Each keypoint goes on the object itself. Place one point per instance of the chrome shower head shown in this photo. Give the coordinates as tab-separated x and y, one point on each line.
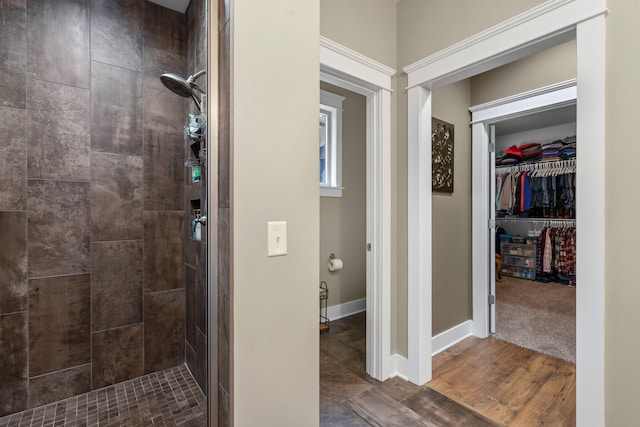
185	88
176	84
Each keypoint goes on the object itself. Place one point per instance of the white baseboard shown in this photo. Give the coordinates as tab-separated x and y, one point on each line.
338	311
452	336
399	366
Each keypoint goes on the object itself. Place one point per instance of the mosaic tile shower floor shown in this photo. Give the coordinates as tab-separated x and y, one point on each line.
166	398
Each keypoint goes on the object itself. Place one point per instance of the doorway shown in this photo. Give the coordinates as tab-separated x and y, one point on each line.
506	42
343	204
530	208
350	70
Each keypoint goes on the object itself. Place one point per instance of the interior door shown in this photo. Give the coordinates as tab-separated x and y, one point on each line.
492	229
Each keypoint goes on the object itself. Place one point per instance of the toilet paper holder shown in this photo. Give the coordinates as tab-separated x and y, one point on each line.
335	264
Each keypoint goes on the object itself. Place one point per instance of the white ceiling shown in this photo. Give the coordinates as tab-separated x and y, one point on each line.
539	120
179	5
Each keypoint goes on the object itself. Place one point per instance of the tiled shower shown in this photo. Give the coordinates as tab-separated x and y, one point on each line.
100	281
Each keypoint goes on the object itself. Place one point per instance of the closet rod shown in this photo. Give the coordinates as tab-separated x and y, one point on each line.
548	222
557	167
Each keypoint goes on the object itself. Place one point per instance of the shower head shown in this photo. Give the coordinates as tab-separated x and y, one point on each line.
176	84
185	88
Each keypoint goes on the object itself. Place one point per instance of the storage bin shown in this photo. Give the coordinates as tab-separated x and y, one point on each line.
519	257
505	238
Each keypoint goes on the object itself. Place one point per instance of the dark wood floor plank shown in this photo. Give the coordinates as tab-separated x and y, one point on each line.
378	409
338	384
335	350
439	410
337	415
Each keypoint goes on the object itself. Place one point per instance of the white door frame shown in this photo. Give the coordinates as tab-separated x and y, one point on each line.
484	115
350	70
546	25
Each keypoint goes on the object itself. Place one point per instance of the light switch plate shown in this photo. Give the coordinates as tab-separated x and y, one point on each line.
277	236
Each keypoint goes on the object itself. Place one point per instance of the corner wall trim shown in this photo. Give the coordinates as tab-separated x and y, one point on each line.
439	343
399	366
450	337
339	311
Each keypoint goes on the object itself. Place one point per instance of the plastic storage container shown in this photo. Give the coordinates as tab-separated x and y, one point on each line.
518	256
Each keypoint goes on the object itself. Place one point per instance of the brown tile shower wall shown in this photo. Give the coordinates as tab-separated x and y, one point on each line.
195	251
92	193
224	214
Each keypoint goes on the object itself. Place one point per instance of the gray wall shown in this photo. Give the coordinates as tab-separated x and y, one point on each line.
88	179
343	219
428	26
622	372
553	65
451	225
275	162
366	26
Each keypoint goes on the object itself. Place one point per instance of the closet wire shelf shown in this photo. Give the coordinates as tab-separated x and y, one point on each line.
557	167
546	222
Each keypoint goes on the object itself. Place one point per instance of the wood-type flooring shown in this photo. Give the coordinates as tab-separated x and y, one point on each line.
350	397
476	383
511	385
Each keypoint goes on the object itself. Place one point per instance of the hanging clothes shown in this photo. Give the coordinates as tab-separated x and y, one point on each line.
556	255
539	181
525	195
506	195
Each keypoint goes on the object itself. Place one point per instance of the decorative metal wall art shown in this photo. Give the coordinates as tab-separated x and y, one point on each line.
441	156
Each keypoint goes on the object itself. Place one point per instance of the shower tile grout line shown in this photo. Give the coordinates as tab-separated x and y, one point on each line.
157	398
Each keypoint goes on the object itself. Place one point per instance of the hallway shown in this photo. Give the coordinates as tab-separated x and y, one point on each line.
494	383
349	397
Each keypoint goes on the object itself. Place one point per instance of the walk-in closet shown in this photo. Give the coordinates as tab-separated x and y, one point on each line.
525	166
535	230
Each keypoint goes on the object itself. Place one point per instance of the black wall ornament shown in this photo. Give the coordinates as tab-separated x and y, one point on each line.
441	156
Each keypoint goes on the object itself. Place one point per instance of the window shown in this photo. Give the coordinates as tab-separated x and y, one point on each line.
330	175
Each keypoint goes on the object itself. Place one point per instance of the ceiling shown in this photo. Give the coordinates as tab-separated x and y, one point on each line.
539	120
179	5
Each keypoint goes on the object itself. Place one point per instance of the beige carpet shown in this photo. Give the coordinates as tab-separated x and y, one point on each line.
538	316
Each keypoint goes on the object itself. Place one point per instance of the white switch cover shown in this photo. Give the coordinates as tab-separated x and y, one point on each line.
277	234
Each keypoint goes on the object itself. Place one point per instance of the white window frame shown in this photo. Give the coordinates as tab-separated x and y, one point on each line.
331	104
